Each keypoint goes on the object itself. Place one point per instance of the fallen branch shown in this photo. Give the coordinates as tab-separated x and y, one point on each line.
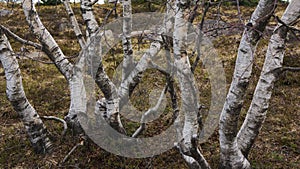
58	119
72	150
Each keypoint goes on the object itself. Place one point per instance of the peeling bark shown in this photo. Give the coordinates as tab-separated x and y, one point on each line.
271	69
34	126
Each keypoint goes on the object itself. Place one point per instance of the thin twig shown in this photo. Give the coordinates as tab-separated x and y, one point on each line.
93	2
292	29
239	12
193	13
72	150
109	13
58	119
290	69
18	38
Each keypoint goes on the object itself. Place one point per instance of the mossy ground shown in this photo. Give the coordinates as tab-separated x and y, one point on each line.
277	146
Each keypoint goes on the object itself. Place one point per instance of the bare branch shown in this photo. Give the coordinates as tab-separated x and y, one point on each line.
109	13
199	37
60	120
193	13
291	69
239	11
87	14
289	26
128	62
18	38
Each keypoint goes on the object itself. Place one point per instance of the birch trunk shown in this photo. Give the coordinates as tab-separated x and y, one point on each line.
54	52
187	146
93	54
128	63
231	156
74	23
271	69
138	69
78	96
88	17
49	44
76	85
34	126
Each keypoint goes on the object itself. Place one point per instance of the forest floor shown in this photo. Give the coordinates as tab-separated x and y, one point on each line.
277	146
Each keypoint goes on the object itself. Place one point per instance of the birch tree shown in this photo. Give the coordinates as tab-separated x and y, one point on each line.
271	70
235	146
230	153
235	143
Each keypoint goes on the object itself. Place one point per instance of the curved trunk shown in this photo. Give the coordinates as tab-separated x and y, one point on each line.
49	44
78	96
34	126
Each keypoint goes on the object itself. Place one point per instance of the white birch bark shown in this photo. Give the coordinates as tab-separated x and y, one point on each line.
135	74
86	7
92	52
34	126
271	69
187	146
231	157
78	96
102	80
139	68
54	52
128	63
49	44
74	23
